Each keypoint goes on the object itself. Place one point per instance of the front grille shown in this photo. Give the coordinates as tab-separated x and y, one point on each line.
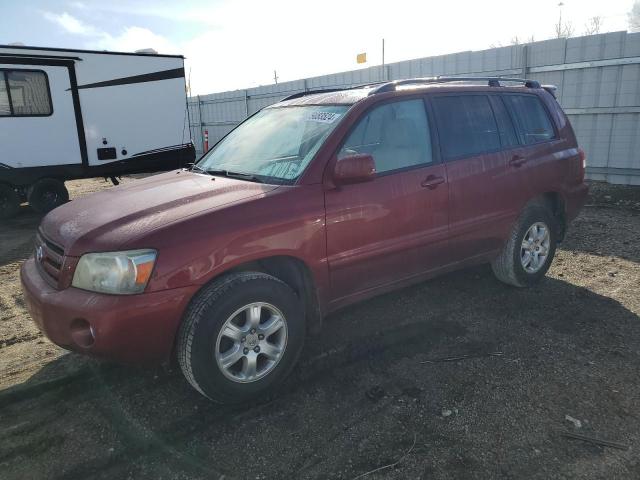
49	258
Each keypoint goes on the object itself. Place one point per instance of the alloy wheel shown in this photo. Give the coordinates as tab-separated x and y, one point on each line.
535	247
251	342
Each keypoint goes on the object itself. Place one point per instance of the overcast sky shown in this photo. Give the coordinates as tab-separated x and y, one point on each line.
237	44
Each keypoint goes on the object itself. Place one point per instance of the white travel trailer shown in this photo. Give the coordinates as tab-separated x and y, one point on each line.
68	114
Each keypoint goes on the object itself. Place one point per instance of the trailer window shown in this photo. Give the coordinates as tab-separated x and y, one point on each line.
28	93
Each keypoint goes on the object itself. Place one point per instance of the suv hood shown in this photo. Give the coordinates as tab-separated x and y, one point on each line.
110	219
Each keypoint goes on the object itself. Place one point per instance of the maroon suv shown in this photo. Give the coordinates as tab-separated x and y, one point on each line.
311	204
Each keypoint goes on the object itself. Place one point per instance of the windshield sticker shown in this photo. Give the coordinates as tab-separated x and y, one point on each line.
323	117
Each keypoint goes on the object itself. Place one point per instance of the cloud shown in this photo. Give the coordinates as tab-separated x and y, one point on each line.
135	38
201	12
129	39
71	24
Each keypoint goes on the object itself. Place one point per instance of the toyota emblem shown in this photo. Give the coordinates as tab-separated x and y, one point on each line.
39	253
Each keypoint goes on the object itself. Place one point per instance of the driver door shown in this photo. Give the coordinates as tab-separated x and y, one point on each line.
394	227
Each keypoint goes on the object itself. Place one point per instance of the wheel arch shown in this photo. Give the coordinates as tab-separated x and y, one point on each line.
291	270
295	273
554	201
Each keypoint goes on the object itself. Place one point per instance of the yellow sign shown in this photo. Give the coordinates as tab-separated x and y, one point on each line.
362	57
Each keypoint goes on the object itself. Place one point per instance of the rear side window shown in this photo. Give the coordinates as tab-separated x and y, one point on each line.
24	93
396	135
466	125
508	135
531	117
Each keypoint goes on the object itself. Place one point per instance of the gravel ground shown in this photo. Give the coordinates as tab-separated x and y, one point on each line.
380	388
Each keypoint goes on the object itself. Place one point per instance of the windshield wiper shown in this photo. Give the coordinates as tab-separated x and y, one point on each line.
242	176
200	169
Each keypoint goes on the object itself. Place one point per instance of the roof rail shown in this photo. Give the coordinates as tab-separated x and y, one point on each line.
491	81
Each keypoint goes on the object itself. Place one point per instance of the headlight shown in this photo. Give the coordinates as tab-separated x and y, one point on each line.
123	273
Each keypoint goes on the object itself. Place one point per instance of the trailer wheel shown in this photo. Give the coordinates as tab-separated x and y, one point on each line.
9	201
47	194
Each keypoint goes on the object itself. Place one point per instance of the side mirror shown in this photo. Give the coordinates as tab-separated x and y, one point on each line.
354	169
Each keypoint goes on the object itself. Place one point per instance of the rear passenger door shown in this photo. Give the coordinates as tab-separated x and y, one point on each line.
471	146
530	168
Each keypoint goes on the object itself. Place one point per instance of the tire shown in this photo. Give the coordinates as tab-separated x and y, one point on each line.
47	194
508	267
9	201
203	347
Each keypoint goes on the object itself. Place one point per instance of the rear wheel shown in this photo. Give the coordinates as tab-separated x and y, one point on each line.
530	249
9	201
47	194
241	337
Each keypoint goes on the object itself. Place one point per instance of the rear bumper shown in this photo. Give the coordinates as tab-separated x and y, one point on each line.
575	198
126	328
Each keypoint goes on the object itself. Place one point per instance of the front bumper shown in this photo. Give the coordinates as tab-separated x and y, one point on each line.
126	328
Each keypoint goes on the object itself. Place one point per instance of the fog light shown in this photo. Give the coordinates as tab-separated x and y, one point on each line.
82	333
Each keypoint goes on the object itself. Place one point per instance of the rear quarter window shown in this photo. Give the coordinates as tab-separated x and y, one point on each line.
532	119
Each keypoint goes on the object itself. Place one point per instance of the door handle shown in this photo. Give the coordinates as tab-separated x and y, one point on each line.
432	181
517	161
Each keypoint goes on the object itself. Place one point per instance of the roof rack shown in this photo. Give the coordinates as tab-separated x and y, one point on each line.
491	81
382	87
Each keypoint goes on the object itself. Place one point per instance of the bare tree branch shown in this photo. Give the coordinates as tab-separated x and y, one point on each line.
569	30
593	26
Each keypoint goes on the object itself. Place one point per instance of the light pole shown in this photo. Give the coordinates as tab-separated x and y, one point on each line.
559	31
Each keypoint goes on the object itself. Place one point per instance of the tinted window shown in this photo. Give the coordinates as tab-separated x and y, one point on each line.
508	135
531	117
466	125
29	92
396	135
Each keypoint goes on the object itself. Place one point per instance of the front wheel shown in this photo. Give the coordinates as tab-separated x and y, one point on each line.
529	250
240	337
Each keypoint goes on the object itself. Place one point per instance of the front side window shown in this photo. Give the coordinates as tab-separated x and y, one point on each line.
396	135
532	118
24	93
276	144
466	125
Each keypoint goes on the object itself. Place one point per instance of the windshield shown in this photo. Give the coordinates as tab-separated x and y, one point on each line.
275	145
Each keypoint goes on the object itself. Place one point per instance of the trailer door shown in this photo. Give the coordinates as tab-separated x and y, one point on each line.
37	117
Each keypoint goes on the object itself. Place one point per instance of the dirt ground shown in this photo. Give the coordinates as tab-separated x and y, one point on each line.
377	394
